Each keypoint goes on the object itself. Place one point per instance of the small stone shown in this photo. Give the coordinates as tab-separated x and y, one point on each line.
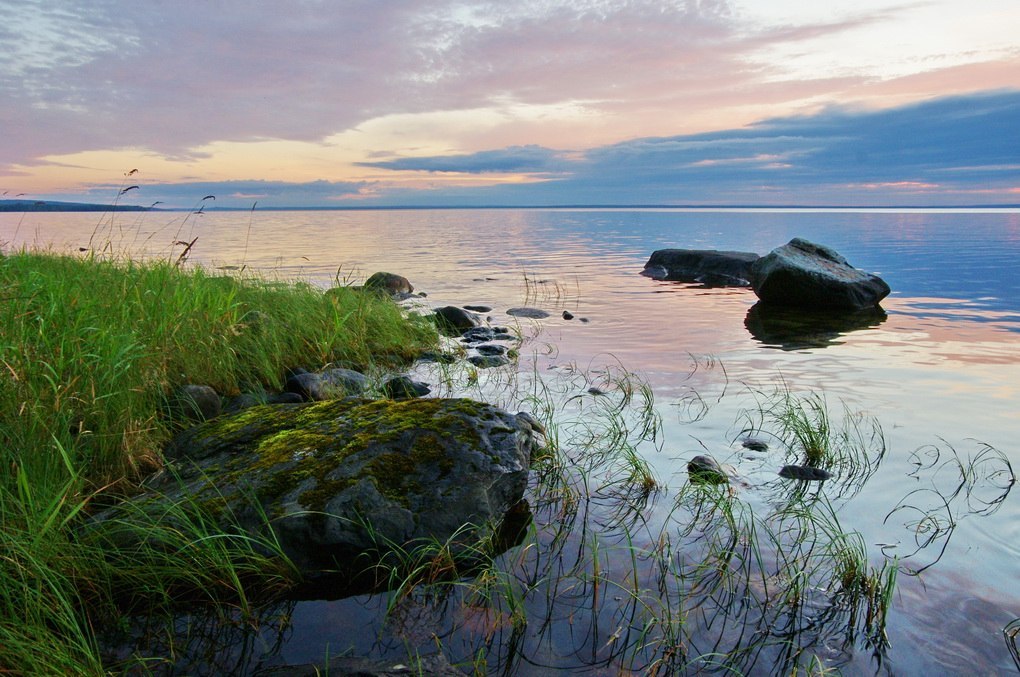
479	309
754	444
488	361
390	283
490	349
530	313
804	472
706	470
403	388
567	315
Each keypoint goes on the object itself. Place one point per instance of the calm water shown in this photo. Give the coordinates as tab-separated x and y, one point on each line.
940	373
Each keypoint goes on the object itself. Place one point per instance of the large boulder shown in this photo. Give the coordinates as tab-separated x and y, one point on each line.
343	482
706	266
808	275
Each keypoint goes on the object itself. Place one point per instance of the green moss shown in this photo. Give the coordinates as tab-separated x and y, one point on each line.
315	448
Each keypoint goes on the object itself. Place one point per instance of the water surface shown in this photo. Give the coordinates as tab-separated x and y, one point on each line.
939	371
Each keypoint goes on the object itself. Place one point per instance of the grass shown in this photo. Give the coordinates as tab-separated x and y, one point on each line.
91	351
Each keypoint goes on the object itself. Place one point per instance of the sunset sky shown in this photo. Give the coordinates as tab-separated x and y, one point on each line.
418	102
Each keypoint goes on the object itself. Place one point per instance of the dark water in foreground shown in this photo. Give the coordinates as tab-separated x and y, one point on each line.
939	373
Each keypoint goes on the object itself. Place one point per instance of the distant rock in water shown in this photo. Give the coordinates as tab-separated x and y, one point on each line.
808	275
390	283
530	313
804	472
706	266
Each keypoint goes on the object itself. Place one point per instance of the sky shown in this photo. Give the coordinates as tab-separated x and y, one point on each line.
358	103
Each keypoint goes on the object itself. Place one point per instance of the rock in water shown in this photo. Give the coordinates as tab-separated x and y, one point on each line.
454	320
345	481
391	283
707	266
804	472
706	470
808	275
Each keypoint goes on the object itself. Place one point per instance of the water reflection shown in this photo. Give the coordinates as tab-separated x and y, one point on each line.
796	329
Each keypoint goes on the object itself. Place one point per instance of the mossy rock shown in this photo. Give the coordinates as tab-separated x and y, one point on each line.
346	479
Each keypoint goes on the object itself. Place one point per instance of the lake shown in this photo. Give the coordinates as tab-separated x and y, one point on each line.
927	393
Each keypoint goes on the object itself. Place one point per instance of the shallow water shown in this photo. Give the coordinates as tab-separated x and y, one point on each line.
939	372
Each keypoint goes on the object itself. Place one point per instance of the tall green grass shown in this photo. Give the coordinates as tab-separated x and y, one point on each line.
91	351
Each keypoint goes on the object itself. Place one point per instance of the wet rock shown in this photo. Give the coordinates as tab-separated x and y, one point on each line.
490	349
390	283
804	472
706	470
478	309
529	313
567	315
454	320
317	474
327	384
808	275
754	444
488	361
706	266
484	334
439	358
403	387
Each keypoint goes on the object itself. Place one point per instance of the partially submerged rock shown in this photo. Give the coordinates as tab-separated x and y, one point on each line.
391	283
454	320
343	482
529	313
706	470
804	472
706	266
809	275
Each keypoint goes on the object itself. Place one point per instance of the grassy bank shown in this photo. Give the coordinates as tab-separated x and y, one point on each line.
90	353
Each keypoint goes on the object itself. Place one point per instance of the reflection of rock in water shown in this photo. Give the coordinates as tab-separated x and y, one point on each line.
796	329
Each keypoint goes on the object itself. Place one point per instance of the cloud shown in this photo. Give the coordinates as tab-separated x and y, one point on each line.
944	149
517	159
170	78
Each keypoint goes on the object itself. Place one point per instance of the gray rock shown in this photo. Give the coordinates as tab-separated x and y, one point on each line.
706	266
804	472
403	387
483	334
319	474
196	403
808	275
754	444
390	283
327	384
455	320
706	470
530	313
479	309
490	349
488	361
567	315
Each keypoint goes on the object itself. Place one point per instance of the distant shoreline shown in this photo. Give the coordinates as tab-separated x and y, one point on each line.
54	206
51	206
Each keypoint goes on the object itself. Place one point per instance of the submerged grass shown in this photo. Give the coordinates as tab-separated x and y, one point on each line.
91	351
